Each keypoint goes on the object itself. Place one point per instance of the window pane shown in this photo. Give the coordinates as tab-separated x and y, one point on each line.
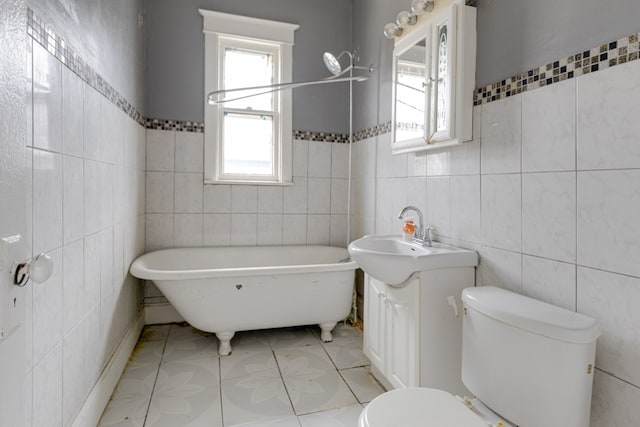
248	144
243	68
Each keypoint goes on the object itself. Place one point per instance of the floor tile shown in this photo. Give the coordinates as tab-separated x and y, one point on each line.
312	381
155	333
126	423
176	378
257	397
186	331
291	421
343	330
145	353
187	393
191	347
346	352
136	384
243	363
342	417
362	384
125	410
291	337
250	341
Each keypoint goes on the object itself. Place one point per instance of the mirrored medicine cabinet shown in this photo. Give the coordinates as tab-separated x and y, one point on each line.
434	79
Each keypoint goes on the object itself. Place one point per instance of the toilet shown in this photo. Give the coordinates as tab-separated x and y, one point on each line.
528	364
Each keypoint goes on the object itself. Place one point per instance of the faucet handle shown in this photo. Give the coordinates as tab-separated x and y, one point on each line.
427	234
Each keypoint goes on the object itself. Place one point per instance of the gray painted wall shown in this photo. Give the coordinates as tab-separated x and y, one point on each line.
373	98
513	36
106	34
518	35
175	65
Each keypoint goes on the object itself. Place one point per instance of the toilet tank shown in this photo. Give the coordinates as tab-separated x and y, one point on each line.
528	361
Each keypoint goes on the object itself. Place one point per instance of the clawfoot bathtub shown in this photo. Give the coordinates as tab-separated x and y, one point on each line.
228	289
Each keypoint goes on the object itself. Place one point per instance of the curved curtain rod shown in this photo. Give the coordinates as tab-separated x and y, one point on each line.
211	97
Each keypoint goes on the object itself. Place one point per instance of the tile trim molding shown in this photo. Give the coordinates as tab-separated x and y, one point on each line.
596	59
621	51
57	46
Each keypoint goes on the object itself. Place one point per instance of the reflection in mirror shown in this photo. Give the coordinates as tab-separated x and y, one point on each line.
442	106
410	114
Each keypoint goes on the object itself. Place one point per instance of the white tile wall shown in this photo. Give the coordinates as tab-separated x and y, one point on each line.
550	281
607	118
438	213
548	192
549	128
613	299
608	226
502	211
182	211
47	100
549	215
47	201
86	200
501	136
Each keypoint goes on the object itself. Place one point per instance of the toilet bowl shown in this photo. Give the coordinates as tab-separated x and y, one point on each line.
528	361
424	407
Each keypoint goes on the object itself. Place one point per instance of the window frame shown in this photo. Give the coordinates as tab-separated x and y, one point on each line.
221	30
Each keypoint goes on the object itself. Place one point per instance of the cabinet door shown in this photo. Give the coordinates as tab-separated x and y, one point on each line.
374	321
403	322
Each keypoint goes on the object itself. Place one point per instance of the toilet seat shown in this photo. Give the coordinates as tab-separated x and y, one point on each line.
419	407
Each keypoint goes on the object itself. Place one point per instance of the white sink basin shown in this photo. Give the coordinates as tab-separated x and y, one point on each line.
392	260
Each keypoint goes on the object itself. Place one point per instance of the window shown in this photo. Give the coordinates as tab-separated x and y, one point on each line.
247	140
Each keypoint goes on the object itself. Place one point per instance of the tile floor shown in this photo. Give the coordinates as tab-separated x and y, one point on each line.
279	377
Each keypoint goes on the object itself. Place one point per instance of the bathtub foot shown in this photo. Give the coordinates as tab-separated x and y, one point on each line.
224	348
326	328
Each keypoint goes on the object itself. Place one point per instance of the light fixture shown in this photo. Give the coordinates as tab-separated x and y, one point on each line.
405	19
38	269
391	31
420	6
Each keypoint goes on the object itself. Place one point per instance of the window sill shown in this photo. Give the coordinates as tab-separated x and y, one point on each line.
227	182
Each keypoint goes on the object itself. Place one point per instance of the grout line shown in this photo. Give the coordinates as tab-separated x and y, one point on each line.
153	389
618	378
286	389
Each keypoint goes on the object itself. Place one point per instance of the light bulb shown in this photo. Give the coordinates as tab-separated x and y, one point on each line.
405	19
420	6
391	31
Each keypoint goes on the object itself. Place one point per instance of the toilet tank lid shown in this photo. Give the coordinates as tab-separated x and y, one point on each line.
532	315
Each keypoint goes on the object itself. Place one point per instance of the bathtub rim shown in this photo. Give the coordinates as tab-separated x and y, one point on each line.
141	271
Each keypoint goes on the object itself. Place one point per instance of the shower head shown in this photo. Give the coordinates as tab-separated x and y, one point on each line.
332	63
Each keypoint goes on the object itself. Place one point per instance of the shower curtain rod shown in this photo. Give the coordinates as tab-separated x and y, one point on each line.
212	96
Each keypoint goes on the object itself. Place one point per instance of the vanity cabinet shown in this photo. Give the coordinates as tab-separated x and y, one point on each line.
411	333
392	316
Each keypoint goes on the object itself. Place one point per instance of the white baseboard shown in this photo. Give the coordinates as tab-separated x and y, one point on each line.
98	399
160	313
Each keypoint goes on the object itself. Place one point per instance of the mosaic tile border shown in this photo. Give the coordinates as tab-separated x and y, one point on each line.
57	46
177	125
623	50
187	126
306	135
599	58
377	130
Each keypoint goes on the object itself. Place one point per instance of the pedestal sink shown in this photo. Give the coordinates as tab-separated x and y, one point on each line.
392	260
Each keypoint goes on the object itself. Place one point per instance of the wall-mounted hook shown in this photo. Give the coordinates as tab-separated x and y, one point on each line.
38	269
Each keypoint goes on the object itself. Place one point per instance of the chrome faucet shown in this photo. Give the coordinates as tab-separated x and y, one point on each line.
422	235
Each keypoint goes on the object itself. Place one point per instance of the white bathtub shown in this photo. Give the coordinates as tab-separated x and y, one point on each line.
228	289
